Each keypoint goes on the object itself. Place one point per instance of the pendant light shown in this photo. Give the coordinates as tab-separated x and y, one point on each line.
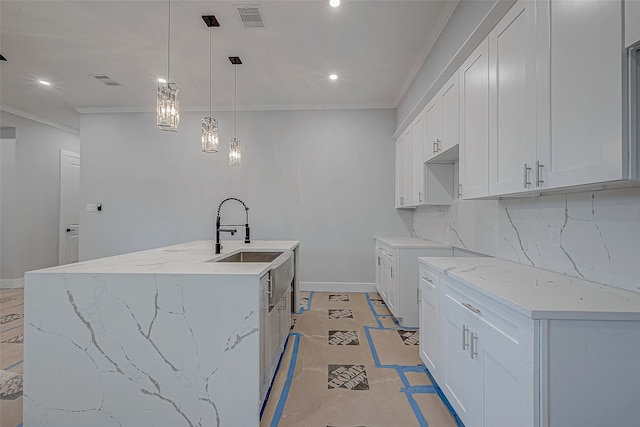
209	124
168	96
234	147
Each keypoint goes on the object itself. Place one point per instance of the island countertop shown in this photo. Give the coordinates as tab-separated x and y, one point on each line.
183	258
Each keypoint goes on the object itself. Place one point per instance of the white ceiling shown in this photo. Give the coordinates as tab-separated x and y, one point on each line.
376	48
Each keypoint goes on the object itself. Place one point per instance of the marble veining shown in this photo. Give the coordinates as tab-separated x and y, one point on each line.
590	235
143	348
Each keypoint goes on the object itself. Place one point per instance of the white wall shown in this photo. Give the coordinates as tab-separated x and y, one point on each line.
7	203
324	177
35	206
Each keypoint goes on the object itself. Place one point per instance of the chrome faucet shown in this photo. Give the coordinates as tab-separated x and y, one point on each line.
231	230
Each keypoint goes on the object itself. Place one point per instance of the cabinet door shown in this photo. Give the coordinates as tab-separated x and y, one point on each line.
419	135
379	274
462	375
400	186
265	364
274	339
285	319
434	128
508	387
407	140
631	22
512	100
450	100
474	123
586	94
429	326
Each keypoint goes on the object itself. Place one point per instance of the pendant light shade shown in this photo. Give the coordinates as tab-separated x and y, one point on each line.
168	97
234	146
209	135
209	124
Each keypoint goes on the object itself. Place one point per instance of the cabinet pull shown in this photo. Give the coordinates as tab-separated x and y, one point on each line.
392	272
470	307
459	190
434	147
426	279
538	173
270	291
418	296
527	169
419	196
474	345
378	259
465	332
438	145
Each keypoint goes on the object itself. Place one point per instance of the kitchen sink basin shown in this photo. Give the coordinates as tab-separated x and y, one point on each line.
245	256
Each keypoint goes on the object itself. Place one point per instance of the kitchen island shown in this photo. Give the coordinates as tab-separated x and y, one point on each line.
163	337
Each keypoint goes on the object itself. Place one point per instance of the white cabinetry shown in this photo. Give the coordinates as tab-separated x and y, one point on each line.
419	127
521	346
442	120
474	123
397	274
404	170
430	320
480	373
512	100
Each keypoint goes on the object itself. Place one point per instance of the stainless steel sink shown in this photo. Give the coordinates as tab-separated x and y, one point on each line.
243	256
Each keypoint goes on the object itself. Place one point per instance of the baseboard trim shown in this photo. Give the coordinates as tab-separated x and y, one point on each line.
12	283
337	287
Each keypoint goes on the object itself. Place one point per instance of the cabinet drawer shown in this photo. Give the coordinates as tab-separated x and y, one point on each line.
429	283
510	330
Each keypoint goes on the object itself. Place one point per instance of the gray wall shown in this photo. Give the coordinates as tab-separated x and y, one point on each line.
324	177
30	220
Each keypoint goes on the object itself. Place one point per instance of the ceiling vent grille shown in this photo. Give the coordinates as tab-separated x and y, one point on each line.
250	15
105	79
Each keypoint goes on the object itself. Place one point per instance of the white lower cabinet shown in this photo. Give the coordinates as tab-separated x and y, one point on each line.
275	324
397	274
539	350
486	385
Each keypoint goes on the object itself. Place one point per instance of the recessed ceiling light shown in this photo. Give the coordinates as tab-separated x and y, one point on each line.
333	77
334	3
44	83
162	81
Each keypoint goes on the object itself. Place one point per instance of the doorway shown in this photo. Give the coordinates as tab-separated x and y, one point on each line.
69	227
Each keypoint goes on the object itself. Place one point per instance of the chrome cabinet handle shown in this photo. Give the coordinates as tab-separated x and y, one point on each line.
419	196
438	145
270	291
378	259
470	307
538	173
459	190
527	169
474	345
434	147
392	272
465	332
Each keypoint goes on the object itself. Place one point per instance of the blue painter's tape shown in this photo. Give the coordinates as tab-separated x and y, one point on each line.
13	366
308	307
287	384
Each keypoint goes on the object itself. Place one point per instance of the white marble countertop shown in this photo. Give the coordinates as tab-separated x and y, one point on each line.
184	258
537	293
410	242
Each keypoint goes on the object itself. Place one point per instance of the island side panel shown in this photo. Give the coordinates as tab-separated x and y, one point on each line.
141	349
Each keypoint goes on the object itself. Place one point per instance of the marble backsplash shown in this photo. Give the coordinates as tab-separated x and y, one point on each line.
591	235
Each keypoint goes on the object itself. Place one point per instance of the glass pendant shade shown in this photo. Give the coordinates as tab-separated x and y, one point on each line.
209	135
234	152
168	106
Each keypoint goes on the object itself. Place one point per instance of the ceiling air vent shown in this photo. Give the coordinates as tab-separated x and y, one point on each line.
105	79
250	15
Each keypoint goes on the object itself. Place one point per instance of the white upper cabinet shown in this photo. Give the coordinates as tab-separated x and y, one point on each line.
419	135
587	143
442	121
474	123
512	100
632	22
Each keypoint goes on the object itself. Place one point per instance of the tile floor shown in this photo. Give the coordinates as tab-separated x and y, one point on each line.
347	363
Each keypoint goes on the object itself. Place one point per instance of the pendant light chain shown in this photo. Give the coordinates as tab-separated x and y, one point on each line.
169	46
